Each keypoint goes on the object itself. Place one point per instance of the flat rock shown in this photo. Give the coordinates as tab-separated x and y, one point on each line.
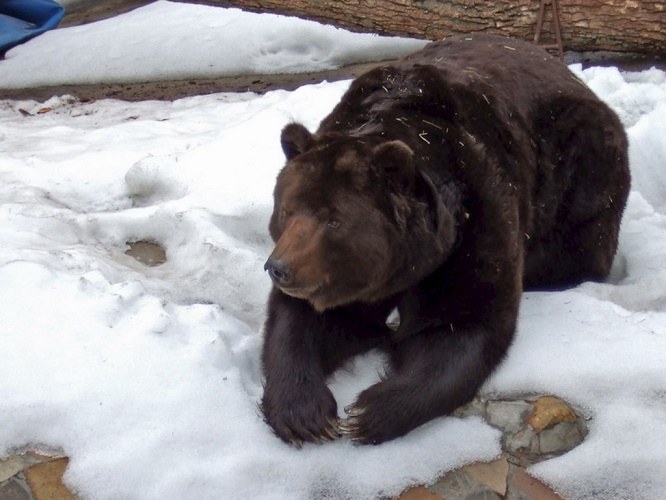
534	428
45	480
522	486
13	490
560	438
479	481
419	493
548	411
491	474
12	466
507	415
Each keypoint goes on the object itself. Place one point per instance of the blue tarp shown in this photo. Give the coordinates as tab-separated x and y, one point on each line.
21	20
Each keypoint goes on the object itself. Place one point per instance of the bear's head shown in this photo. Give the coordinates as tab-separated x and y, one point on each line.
353	219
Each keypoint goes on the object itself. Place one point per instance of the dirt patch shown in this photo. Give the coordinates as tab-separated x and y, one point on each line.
176	89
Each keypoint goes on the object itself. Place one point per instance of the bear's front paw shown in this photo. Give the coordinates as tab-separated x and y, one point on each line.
301	414
381	413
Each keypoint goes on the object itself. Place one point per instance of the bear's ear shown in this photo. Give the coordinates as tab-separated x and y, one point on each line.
295	139
396	160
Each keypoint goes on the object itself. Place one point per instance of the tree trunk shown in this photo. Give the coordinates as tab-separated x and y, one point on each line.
614	25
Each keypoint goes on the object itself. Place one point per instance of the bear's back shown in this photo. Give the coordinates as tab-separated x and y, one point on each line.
504	69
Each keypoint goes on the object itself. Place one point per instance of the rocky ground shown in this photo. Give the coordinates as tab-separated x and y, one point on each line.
533	428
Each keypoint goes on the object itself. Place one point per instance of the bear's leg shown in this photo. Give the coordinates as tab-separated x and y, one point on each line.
588	149
582	252
301	348
432	374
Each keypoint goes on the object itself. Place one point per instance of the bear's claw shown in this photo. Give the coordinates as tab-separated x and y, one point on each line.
351	426
353	411
348	426
329	433
332	431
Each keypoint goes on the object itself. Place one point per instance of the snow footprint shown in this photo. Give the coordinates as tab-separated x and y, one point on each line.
152	180
288	54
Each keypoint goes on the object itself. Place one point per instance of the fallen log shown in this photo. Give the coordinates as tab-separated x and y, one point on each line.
637	26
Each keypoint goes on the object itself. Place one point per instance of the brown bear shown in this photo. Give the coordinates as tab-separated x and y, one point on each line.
440	186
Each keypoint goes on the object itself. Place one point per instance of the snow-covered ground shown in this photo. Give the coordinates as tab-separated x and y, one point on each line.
148	377
167	40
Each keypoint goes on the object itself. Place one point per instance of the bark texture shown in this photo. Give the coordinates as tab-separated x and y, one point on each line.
613	25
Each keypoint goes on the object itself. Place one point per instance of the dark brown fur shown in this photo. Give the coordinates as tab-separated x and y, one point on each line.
441	185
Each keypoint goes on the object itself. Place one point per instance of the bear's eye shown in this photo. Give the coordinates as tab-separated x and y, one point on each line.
333	223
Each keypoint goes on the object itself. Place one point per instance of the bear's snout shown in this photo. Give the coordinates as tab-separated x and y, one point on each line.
279	271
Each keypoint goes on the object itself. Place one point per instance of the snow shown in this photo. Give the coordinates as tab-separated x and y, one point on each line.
148	377
191	40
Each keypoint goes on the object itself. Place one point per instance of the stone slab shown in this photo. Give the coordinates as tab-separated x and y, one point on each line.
13	490
490	474
419	493
45	480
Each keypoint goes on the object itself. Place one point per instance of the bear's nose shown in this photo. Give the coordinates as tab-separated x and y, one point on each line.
279	272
